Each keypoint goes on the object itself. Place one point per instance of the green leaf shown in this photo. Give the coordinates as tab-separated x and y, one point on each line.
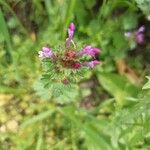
64	93
129	114
44	93
130	20
39	141
96	139
118	86
147	85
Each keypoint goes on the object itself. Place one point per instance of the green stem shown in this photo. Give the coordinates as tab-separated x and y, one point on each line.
69	12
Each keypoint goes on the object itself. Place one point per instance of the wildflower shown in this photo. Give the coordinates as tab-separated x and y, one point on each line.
68	61
137	36
45	53
89	50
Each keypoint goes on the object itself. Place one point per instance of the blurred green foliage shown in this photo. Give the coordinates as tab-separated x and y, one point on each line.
108	109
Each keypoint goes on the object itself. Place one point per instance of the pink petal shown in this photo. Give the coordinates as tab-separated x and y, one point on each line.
92	64
96	50
71	30
72	27
141	29
140	38
89	50
45	49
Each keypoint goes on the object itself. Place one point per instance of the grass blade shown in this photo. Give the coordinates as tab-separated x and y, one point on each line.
37	118
6	35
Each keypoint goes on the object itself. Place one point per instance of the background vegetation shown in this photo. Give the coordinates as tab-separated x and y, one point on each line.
108	109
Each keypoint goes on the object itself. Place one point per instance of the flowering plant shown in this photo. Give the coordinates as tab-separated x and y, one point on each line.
136	37
65	65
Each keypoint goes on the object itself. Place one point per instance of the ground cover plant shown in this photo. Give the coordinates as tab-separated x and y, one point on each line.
74	74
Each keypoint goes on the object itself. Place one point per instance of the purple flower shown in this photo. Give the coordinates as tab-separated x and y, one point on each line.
45	53
89	50
140	38
139	35
71	30
91	64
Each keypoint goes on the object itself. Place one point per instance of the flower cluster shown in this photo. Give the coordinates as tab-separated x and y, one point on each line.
136	36
70	57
